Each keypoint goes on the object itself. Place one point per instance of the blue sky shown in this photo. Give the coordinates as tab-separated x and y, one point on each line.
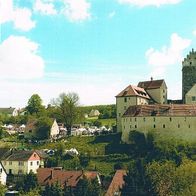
92	47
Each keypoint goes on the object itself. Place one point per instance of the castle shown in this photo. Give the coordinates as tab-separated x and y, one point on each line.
145	107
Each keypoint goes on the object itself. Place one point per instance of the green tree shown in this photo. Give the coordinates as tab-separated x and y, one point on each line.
94	188
28	182
43	127
3	190
169	179
67	105
135	182
84	159
82	187
53	190
35	105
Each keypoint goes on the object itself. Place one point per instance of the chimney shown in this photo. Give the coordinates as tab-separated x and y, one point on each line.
51	174
151	78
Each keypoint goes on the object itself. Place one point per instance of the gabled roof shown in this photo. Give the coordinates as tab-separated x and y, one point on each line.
161	110
20	155
7	110
4	152
69	178
133	91
152	84
117	183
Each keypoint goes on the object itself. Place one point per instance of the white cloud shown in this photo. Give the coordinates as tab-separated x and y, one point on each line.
45	7
111	14
21	17
76	10
19	59
159	60
142	3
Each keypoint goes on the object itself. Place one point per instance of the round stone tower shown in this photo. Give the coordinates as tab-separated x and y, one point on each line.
188	73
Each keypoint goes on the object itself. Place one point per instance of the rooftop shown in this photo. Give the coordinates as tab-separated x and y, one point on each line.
133	91
117	183
19	155
152	84
161	110
68	178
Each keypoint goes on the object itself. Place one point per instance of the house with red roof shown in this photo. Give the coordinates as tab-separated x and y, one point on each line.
64	178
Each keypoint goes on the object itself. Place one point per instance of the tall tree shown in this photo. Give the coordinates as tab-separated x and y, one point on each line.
43	127
35	105
53	190
67	105
136	182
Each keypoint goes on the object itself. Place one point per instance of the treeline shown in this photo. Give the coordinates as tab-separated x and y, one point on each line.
160	167
106	111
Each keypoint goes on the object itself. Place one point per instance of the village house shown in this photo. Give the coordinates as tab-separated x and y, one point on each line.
10	111
94	113
20	162
31	132
3	175
69	178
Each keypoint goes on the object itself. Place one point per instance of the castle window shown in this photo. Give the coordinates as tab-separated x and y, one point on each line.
178	125
125	99
135	119
170	119
163	125
144	119
189	126
154	126
185	119
154	119
190	63
135	126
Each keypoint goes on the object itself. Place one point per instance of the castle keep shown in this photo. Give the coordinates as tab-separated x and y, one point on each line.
145	107
189	78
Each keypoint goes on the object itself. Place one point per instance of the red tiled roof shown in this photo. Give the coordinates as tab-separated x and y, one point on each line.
70	178
117	183
153	84
133	91
161	110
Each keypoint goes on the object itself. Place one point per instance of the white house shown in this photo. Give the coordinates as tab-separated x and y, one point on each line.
21	162
3	175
